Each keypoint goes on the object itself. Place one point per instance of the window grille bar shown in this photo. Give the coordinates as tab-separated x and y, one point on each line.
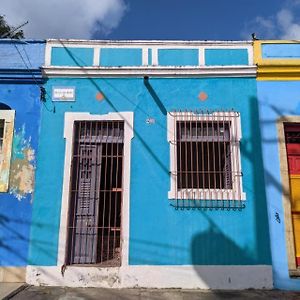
94	226
206	154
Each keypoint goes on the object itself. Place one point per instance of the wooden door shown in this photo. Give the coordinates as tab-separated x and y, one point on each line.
87	208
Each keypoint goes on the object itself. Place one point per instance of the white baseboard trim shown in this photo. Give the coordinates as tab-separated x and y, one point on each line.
188	277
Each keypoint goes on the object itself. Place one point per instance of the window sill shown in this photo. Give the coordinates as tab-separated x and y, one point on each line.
206	194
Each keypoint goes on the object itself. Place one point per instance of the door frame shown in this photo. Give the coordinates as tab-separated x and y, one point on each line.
286	201
69	120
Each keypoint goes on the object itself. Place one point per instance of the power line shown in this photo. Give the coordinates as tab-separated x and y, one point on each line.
42	89
8	34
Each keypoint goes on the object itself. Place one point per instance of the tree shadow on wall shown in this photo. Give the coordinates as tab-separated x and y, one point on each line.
12	240
213	247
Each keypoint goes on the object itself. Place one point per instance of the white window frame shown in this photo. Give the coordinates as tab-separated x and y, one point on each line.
5	155
236	193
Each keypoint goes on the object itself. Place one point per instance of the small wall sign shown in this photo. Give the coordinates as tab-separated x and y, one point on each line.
63	93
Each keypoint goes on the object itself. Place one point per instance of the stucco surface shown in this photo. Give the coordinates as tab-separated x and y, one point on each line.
159	234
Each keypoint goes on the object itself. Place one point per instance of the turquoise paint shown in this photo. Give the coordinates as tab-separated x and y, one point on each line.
221	57
280	51
118	57
178	57
159	234
19	143
276	99
74	57
150	57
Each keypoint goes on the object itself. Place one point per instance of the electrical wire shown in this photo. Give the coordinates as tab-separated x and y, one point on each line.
44	93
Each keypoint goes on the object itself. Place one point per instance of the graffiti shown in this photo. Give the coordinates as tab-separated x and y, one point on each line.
150	121
277	217
21	180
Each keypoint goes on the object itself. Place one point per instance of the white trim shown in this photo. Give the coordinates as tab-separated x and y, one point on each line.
168	43
188	277
154	56
96	59
68	135
8	116
201	56
250	56
201	46
159	71
48	53
144	56
236	193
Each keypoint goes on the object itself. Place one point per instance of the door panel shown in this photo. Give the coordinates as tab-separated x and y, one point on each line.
88	205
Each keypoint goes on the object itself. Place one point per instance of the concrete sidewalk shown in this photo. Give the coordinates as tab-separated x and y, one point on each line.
8	289
56	293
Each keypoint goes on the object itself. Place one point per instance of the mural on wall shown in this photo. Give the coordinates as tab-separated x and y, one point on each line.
22	166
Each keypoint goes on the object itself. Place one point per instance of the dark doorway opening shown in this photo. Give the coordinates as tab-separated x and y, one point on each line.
292	140
94	225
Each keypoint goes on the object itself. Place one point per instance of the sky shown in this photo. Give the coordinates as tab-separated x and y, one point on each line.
155	19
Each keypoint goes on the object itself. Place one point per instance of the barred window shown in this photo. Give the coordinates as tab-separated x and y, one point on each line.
2	121
205	155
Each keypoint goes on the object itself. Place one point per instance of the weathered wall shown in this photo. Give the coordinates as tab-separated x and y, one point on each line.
278	91
276	99
15	206
19	91
159	234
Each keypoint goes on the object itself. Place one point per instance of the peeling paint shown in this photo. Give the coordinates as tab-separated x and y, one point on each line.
6	149
22	166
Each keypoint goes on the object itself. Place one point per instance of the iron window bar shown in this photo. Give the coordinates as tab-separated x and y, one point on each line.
205	160
94	226
2	122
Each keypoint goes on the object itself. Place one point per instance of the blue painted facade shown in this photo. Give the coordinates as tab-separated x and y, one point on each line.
20	77
159	234
271	108
178	57
278	51
75	56
72	56
278	97
114	57
223	57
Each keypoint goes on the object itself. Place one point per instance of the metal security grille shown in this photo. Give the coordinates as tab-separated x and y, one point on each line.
96	192
206	152
292	133
1	133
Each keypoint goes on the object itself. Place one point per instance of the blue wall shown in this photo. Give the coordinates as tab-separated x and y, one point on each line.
120	57
178	57
19	91
159	234
222	57
115	57
281	51
69	56
276	99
